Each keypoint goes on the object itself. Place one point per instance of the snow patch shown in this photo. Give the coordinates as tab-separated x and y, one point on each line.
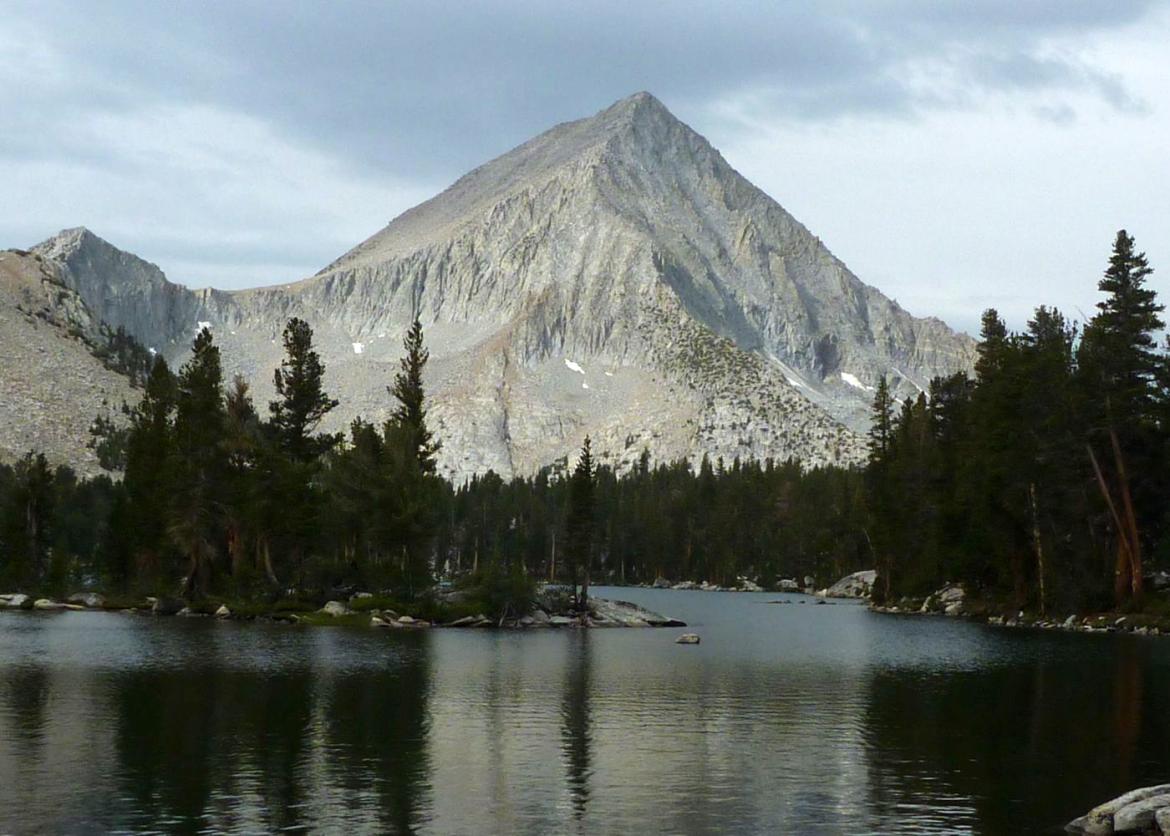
358	348
584	385
855	383
609	374
200	325
574	367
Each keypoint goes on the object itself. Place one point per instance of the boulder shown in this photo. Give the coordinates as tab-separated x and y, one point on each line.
405	619
1162	819
687	638
809	582
375	621
335	608
661	583
466	621
16	601
787	585
857	585
47	604
685	585
223	612
1070	622
561	621
1138	817
748	585
1099	821
167	606
87	599
527	621
540	616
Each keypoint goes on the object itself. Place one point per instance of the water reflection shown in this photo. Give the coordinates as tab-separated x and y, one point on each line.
786	719
575	709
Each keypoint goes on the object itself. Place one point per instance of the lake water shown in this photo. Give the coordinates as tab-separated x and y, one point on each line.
788	718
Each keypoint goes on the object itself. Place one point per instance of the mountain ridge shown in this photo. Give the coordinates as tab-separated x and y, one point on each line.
702	316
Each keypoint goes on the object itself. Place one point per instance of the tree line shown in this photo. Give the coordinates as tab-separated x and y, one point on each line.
1043	480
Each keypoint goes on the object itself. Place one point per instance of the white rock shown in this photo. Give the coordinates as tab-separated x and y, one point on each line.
47	604
857	585
1099	820
223	612
335	608
1139	815
687	638
16	601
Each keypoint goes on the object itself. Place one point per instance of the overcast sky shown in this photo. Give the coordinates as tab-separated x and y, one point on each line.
957	155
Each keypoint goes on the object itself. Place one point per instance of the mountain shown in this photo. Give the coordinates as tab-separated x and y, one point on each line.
54	380
613	276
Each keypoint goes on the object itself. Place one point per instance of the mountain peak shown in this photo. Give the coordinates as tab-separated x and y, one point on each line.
641	104
637	123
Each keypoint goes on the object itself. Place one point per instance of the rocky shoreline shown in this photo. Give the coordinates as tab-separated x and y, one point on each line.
952	601
599	613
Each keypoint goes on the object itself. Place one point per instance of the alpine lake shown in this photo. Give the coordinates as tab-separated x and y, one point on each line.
787	718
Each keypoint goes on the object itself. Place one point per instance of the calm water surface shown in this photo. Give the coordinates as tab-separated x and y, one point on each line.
786	719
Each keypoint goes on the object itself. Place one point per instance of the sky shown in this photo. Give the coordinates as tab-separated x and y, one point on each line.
956	154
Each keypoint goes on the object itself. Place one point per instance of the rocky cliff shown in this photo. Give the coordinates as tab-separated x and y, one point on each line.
613	276
52	383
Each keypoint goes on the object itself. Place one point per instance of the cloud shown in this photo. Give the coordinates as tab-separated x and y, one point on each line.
237	143
428	87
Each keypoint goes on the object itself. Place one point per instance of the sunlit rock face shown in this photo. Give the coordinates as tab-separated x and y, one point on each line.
613	276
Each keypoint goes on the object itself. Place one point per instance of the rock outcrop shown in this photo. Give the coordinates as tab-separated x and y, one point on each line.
52	384
613	276
1145	810
857	585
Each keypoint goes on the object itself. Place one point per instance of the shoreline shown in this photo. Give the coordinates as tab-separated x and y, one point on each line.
602	613
997	614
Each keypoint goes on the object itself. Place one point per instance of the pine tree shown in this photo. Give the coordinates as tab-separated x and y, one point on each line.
881	432
196	519
411	413
993	339
301	403
1119	354
28	521
580	522
1120	368
148	483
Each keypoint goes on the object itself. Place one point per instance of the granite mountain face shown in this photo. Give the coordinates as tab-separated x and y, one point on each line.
613	276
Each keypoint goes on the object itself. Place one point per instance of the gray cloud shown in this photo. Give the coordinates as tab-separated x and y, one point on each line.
433	88
239	143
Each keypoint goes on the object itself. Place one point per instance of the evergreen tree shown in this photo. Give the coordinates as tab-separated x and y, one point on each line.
200	463
301	402
580	523
1119	356
28	521
1120	367
140	544
881	432
411	413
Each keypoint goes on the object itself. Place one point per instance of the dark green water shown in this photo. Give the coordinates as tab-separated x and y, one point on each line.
786	719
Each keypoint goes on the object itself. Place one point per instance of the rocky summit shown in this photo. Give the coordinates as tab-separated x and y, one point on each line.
613	276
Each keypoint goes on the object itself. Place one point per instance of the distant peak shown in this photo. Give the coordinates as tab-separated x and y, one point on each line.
640	105
70	241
